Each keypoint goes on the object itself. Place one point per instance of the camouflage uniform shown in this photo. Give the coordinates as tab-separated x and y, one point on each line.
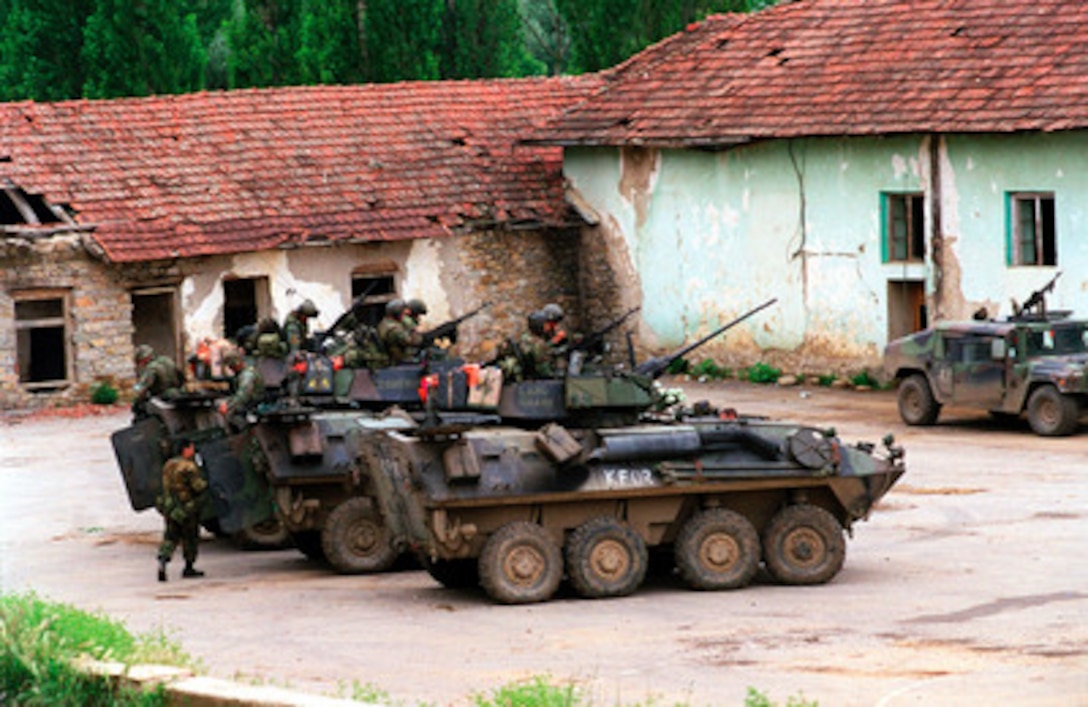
159	377
400	342
180	504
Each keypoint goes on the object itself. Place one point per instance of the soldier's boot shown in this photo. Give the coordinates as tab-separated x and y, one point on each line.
191	571
162	569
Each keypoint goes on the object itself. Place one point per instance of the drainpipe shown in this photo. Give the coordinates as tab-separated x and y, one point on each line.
936	232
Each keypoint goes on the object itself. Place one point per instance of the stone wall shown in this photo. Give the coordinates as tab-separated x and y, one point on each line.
98	326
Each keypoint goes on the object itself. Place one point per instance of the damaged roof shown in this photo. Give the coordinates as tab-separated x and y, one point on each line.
846	67
228	172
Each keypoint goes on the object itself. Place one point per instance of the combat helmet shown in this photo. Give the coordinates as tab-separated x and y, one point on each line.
308	309
552	312
394	308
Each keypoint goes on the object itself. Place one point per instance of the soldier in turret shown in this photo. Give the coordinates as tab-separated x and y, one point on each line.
401	343
296	331
158	377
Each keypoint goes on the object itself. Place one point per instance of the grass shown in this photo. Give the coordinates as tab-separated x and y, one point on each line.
39	640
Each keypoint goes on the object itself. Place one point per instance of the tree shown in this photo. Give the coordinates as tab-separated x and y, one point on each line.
40	49
140	49
402	39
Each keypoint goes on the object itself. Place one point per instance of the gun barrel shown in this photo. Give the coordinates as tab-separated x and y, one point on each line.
656	366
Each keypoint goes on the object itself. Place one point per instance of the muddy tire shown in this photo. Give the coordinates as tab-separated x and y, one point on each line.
356	540
605	558
1052	414
917	406
803	544
308	543
717	549
269	534
520	564
454	574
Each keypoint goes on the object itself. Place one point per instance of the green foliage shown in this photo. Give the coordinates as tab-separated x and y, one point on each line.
755	698
865	379
103	394
679	367
535	692
763	373
40	639
709	369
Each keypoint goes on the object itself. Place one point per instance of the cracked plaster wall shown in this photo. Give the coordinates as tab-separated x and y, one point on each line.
698	237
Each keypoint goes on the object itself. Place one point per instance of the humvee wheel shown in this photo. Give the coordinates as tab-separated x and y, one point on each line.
917	406
269	534
308	543
355	539
454	574
803	544
520	564
605	559
1052	414
717	549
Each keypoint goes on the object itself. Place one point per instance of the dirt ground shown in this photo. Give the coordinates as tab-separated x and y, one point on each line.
968	585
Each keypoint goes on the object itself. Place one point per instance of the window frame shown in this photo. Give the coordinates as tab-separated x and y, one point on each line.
913	217
1045	231
63	321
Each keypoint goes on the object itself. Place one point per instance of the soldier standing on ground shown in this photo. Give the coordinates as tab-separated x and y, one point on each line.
247	387
158	377
181	503
296	326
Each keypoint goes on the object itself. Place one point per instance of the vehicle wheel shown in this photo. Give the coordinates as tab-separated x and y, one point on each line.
605	559
454	574
917	406
717	549
520	564
355	539
803	544
1052	414
308	543
269	534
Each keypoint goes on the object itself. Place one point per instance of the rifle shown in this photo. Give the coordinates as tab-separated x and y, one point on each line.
356	303
658	365
593	343
448	330
1037	299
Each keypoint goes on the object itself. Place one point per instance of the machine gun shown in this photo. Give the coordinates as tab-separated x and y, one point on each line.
448	330
593	343
356	304
1036	301
659	364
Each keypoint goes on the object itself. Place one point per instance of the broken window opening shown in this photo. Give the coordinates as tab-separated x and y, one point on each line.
1034	237
378	289
41	339
17	208
904	228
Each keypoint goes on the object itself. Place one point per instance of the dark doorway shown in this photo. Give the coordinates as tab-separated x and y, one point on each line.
154	321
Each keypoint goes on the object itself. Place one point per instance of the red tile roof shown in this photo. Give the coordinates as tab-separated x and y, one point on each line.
847	67
213	173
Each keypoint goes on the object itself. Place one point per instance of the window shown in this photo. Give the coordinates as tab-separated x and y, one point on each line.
1032	224
376	289
904	228
41	335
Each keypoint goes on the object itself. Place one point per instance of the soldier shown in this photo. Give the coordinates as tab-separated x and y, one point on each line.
296	326
400	342
158	377
181	502
247	387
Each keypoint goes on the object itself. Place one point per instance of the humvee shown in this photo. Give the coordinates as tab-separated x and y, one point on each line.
1029	363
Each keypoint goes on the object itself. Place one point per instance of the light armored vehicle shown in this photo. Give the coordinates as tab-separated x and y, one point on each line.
1035	362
